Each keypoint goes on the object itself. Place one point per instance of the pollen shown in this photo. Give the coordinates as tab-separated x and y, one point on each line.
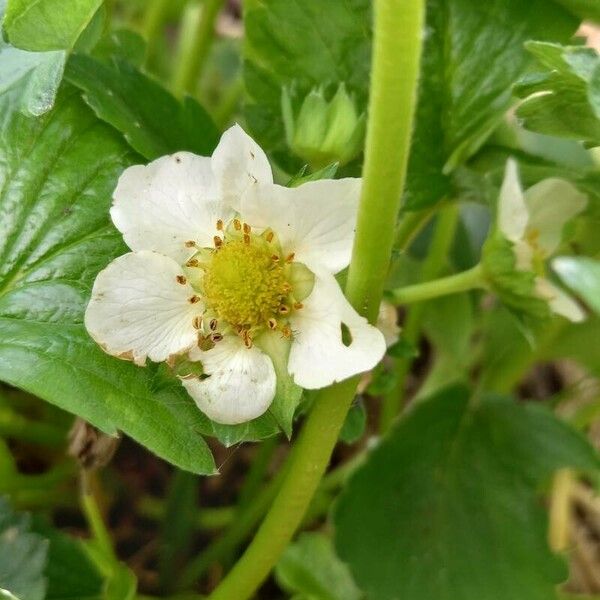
242	284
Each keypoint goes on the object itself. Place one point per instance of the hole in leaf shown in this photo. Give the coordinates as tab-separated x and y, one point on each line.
346	335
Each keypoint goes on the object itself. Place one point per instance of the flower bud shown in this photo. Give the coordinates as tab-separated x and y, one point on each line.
324	132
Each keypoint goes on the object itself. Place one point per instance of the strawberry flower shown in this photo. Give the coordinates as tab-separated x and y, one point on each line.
234	272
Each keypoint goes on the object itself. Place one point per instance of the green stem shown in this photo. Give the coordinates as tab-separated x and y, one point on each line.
153	23
97	527
228	103
453	284
239	530
18	427
195	39
439	247
396	57
257	472
207	518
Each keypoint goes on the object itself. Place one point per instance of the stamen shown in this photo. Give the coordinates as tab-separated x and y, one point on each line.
287	332
275	258
213	324
298	305
216	337
193	262
194	299
197	322
246	228
220	225
283	309
190	244
181	279
269	237
247	339
272	323
237	224
218	241
290	257
246	238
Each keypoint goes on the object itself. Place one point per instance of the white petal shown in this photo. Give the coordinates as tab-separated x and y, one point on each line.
241	385
512	210
318	356
551	203
138	309
387	323
237	163
560	303
315	221
172	200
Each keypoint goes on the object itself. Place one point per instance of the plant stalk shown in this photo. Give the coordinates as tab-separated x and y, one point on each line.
453	284
396	58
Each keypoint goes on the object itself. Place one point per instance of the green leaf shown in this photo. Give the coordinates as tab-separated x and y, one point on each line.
121	44
41	25
447	506
22	556
584	9
57	174
465	92
582	275
471	60
69	571
37	74
355	424
563	99
310	568
152	120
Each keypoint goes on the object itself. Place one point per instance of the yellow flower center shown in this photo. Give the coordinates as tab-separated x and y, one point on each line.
245	284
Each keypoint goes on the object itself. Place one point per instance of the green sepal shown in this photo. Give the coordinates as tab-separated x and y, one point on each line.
515	288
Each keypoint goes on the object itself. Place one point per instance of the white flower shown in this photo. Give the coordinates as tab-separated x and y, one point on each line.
226	266
533	221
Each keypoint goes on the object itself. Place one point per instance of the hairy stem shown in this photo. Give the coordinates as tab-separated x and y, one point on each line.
396	57
453	284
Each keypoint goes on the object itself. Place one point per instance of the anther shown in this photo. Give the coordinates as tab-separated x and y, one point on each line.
181	279
283	309
213	324
190	244
194	299
287	332
247	339
193	262
290	257
272	323
237	224
220	225
218	241
216	337
197	322
246	238
298	305
275	258
269	237
246	228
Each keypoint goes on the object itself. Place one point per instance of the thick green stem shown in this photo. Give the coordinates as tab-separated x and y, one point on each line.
153	23
453	284
195	38
396	56
439	247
